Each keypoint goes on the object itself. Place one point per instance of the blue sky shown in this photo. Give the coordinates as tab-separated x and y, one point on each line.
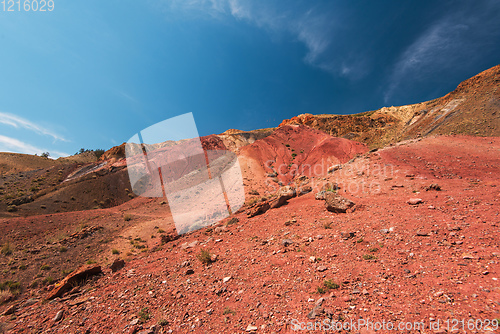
93	73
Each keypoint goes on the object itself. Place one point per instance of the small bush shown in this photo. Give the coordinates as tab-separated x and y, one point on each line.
373	249
63	249
5	295
48	280
227	310
162	322
44	267
329	284
127	217
11	286
90	262
320	290
144	314
6	249
205	256
12	208
369	257
327	225
115	251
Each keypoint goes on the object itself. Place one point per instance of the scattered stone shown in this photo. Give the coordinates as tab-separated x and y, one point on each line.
226	279
317	309
287	242
117	265
220	229
58	316
304	190
438	293
320	195
10	310
189	272
282	196
213	258
187	245
80	274
467	256
334	168
336	203
251	328
321	268
258	209
415	201
433	186
312	259
384	230
422	234
347	235
30	302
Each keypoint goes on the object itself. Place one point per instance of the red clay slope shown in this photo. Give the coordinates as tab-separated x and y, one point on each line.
393	262
294	150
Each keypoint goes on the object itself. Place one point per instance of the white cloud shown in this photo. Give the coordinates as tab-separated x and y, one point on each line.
16	121
313	25
15	145
9	144
449	45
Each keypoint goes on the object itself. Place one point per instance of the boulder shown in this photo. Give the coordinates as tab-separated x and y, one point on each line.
304	190
258	209
282	196
336	203
117	265
415	201
74	278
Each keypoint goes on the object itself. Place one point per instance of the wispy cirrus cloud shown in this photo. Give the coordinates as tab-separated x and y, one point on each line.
19	122
453	41
314	25
9	144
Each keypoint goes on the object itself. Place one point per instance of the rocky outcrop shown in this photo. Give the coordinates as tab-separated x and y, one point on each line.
75	277
336	203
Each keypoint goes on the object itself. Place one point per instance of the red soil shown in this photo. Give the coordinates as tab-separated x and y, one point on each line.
393	261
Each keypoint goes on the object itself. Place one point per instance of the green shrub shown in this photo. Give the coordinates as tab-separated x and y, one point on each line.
205	256
6	249
329	284
227	310
144	314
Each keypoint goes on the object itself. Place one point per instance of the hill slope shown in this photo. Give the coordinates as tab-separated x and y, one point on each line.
472	109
